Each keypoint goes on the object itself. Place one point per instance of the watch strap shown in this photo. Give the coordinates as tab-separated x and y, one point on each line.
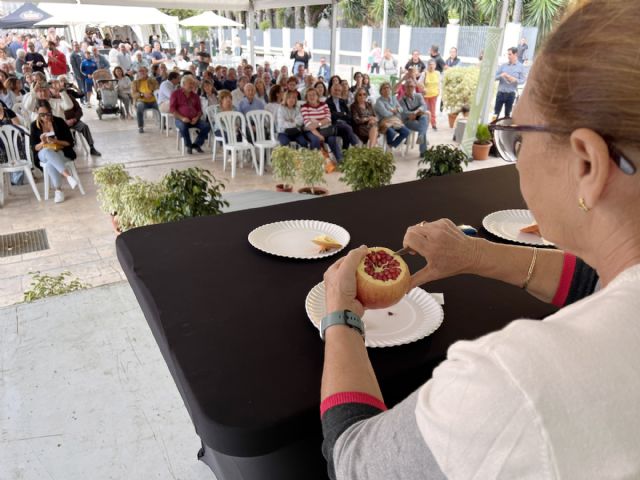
341	317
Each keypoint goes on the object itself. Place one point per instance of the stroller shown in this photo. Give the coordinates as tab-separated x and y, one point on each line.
107	94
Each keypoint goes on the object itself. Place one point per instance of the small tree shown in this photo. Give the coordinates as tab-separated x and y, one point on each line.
311	168
367	168
459	87
284	164
110	179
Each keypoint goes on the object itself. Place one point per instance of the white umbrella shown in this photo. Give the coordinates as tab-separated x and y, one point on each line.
209	19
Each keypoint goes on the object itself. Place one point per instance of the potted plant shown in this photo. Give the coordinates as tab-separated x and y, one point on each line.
482	143
284	165
441	160
311	171
367	168
139	201
458	88
454	16
192	192
110	179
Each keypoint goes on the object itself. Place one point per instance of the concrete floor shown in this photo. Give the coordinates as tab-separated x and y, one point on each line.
84	391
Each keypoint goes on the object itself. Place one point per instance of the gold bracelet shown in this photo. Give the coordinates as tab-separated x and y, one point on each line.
531	267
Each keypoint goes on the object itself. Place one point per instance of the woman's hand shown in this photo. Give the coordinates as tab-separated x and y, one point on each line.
340	283
447	250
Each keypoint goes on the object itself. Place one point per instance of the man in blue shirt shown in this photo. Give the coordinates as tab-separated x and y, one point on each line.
510	75
250	102
323	71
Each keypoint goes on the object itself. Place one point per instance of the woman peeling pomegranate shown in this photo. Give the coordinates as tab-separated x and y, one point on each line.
552	399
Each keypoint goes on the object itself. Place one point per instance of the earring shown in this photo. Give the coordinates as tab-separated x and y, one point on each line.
583	205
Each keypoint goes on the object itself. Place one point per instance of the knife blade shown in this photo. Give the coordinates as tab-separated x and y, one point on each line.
466	229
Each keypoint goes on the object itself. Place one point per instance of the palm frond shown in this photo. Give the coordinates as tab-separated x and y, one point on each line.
425	13
465	8
543	14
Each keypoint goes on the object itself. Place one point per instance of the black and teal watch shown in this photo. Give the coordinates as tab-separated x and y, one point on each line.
342	317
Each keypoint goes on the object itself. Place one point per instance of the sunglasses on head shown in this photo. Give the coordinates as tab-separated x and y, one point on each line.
508	139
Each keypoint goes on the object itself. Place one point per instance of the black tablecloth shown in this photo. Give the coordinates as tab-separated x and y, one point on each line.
230	320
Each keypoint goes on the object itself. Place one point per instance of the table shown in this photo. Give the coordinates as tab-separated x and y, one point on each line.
231	324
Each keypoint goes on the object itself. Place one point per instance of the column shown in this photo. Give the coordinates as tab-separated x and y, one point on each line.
266	41
365	47
404	45
450	39
286	42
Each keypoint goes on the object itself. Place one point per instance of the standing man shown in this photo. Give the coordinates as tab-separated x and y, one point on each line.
415	62
522	50
76	67
453	60
204	59
414	114
323	71
101	60
186	108
435	56
57	61
142	90
157	55
510	75
123	59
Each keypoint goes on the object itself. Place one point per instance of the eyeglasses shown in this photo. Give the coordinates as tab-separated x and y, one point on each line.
508	139
42	115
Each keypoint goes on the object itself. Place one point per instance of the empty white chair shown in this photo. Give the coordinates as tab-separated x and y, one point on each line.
216	131
229	123
17	161
262	131
164	117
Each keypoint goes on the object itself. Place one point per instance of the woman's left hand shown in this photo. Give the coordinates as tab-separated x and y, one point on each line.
340	283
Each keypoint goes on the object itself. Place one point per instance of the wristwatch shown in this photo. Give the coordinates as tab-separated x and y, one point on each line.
342	317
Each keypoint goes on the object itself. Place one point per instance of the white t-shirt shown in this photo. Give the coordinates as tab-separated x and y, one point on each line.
558	398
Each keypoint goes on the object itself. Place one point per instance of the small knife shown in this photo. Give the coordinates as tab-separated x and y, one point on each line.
466	229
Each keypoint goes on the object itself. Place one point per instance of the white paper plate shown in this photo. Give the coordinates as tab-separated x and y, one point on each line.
506	224
416	316
292	238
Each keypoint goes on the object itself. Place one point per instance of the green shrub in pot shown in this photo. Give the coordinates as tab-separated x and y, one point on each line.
459	87
441	160
285	166
109	180
311	169
367	168
139	203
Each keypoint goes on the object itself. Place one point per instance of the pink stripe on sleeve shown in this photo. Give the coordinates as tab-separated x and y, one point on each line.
568	267
350	397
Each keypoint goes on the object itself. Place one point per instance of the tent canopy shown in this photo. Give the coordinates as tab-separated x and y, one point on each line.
209	19
64	14
234	5
24	17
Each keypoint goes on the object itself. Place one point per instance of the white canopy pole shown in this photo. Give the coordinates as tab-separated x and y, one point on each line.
251	20
333	55
385	21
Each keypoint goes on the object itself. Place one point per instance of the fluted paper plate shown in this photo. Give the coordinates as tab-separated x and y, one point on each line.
506	224
416	316
293	238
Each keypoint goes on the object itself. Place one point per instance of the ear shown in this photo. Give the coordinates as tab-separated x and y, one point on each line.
593	164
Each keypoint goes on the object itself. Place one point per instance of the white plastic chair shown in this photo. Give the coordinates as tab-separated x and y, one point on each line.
164	117
229	122
70	166
261	122
211	117
82	143
16	161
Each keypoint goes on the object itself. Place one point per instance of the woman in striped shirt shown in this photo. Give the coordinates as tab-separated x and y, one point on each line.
317	120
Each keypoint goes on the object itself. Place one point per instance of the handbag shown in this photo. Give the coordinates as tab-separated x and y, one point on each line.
390	122
293	132
329	131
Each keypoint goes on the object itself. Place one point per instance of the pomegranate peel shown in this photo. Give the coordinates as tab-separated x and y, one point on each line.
382	278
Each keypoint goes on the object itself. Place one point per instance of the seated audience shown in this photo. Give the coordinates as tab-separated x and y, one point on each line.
414	114
341	117
289	122
209	95
317	121
275	100
238	93
123	87
261	90
186	108
142	90
389	110
321	88
364	118
167	87
250	102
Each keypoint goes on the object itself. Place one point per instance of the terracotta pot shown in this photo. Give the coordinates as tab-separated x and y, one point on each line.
114	223
452	119
316	190
281	188
481	152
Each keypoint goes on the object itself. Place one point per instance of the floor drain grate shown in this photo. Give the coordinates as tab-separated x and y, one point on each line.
23	242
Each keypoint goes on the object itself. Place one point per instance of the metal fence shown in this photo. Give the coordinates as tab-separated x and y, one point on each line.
297	35
471	41
393	38
276	38
349	60
423	38
351	39
322	39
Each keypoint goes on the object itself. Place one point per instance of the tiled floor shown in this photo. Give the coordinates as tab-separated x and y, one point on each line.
80	235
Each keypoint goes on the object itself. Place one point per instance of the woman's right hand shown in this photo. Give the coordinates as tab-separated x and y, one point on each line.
447	250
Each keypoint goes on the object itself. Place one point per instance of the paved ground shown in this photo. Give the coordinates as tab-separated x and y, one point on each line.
80	235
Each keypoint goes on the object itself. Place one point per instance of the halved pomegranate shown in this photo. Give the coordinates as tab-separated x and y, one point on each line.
382	278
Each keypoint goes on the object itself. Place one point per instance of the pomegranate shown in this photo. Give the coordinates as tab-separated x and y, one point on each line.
382	278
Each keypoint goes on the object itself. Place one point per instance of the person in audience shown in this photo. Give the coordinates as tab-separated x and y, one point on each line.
52	145
300	75
532	399
14	91
123	59
308	83
364	119
375	58
321	88
73	115
436	57
20	62
101	60
261	90
88	67
6	96
276	96
453	60
414	114
324	71
186	108
432	90
389	110
37	61
357	82
289	122
7	63
167	87
317	121
250	102
389	64
238	93
230	83
346	94
341	117
123	88
366	84
142	90
139	61
7	117
415	62
334	79
284	72
41	90
204	59
300	57
157	55
76	67
292	86
209	93
268	81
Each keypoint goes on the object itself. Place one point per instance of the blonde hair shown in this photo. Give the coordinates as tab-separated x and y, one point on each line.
575	87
